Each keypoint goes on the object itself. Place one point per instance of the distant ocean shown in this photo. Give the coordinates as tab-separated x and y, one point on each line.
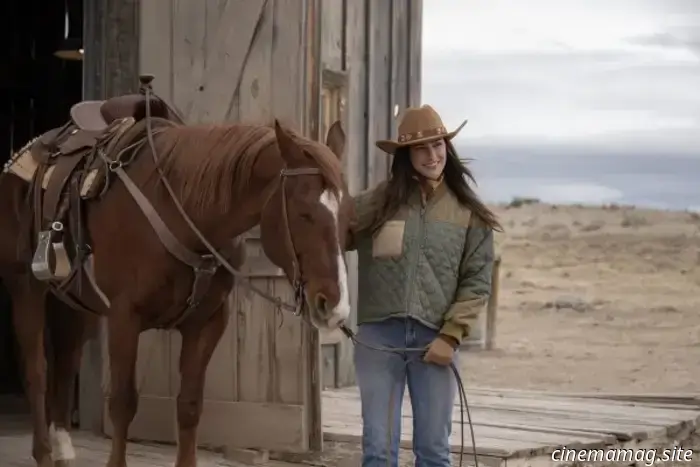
655	181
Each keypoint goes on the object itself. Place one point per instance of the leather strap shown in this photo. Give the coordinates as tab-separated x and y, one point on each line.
64	168
166	237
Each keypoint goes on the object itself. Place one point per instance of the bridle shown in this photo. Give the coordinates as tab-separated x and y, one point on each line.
298	282
218	259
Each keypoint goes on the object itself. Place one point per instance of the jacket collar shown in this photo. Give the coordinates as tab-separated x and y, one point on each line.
429	189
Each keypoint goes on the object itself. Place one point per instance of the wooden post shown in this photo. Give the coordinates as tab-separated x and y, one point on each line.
492	306
110	67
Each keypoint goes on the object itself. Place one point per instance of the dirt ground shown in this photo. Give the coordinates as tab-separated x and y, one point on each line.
595	299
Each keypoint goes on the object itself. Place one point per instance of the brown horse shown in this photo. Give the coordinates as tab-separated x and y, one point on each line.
220	182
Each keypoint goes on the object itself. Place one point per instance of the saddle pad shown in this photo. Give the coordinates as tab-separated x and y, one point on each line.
24	166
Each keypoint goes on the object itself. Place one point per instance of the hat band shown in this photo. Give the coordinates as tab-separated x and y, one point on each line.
422	134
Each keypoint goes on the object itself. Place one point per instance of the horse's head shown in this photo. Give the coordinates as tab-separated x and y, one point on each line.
304	222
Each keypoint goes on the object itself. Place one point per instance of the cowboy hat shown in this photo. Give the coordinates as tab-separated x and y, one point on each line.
418	125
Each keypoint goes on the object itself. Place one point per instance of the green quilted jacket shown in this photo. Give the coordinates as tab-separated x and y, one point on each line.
432	261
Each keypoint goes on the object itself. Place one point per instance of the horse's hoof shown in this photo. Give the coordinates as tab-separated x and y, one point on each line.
63	463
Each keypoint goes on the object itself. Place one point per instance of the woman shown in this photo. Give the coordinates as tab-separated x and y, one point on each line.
425	253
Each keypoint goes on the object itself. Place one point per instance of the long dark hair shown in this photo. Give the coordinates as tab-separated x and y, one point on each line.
456	174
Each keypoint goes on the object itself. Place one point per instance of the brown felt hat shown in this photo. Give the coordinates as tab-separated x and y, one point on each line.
418	125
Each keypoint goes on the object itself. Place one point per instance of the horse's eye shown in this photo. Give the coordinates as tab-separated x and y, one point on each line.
306	216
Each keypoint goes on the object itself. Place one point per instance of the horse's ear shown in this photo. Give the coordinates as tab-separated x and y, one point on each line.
336	139
289	149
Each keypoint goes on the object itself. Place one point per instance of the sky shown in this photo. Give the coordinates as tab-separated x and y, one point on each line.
562	81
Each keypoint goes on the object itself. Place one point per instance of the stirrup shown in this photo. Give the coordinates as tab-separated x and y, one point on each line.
50	261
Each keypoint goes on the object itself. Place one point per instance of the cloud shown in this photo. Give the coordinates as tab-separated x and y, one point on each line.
566	71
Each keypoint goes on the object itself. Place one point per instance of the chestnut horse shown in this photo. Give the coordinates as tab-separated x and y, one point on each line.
208	184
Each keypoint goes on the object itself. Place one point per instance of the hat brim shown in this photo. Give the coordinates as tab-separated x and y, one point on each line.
391	146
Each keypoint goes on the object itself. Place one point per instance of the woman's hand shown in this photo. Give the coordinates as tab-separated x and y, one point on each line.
441	351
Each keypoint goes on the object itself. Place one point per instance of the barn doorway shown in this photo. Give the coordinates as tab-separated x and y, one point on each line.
40	78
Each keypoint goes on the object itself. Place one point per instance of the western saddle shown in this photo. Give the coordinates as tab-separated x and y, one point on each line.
72	166
98	115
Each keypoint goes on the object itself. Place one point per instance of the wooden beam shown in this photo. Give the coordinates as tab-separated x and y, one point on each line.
110	67
492	306
263	425
313	71
335	79
415	34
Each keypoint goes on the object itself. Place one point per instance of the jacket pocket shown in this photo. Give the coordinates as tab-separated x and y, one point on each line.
388	242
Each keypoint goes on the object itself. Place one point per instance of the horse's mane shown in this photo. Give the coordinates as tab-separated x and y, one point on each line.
208	164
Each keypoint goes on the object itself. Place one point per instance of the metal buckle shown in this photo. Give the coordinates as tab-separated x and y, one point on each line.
209	265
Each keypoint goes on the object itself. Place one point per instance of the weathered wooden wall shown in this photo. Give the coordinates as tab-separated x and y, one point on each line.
218	61
376	47
240	60
307	62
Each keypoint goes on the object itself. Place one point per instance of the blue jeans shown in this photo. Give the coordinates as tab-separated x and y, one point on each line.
382	378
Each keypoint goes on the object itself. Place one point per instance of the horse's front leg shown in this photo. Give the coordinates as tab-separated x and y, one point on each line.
124	327
198	344
28	316
68	331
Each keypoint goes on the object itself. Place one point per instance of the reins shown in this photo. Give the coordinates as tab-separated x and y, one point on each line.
463	404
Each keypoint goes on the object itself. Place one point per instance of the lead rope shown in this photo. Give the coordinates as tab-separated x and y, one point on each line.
463	404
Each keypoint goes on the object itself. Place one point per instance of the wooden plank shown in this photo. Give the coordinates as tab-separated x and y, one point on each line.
156	48
379	86
329	365
598	422
542	438
558	406
400	59
485	446
356	114
415	51
492	306
332	34
256	321
155	363
190	23
357	110
255	93
105	53
290	363
312	82
230	43
590	423
121	47
247	425
667	400
287	62
313	71
257	265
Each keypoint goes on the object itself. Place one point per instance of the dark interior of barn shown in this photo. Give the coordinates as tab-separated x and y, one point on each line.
40	78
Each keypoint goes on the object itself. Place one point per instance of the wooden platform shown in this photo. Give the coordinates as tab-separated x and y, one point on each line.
524	428
511	428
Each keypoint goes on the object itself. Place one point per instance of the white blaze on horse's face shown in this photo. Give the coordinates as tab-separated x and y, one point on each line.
341	312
